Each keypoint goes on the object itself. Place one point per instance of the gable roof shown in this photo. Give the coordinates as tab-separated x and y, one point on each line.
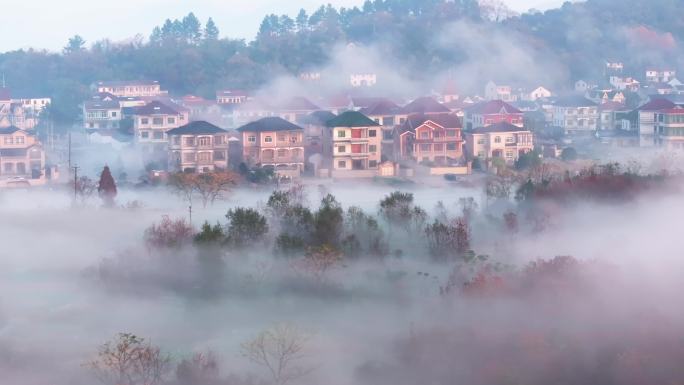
445	120
9	130
155	108
493	107
352	119
424	105
498	127
382	107
269	124
318	118
574	101
101	105
657	105
196	128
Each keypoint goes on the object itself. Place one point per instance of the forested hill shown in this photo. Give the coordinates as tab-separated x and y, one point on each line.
189	56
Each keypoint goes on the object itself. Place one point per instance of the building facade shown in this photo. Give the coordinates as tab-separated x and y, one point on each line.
432	139
130	88
357	145
273	142
22	159
198	147
576	115
501	140
669	129
492	112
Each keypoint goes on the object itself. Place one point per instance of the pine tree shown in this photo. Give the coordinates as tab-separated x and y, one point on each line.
211	31
107	188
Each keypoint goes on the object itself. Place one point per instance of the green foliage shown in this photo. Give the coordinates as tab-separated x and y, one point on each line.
569	154
328	222
528	160
246	227
106	187
209	235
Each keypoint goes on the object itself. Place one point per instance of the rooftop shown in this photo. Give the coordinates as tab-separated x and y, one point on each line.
382	107
196	128
9	130
155	108
657	105
493	107
318	118
425	105
498	127
352	119
446	120
269	124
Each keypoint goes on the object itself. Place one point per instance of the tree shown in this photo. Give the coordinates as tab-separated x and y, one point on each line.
328	222
84	188
398	209
318	261
246	227
75	44
183	184
302	20
106	187
200	369
213	185
528	160
191	28
280	350
209	235
129	360
569	154
211	31
168	234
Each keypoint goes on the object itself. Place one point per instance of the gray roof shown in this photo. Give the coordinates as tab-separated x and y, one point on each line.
269	124
196	128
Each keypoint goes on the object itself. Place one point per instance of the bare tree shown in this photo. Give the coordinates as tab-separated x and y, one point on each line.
280	350
129	360
214	185
84	189
201	369
318	261
183	184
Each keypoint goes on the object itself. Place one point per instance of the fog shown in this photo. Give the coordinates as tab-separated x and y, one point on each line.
72	278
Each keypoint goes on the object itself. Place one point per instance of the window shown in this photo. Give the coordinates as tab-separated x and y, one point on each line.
282	137
509	154
144	134
218	139
171	120
497	139
189	157
424	135
341	149
158	121
424	147
158	135
204	156
9	140
372	163
450	133
190	141
481	154
388	121
144	121
294	139
19	139
282	153
219	155
342	164
372	133
268	139
372	148
439	147
113	114
204	141
176	140
481	141
510	139
341	134
451	146
251	139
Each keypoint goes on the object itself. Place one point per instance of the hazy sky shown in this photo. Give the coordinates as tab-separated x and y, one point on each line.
49	23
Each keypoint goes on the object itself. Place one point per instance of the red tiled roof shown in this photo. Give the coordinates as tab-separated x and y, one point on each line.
677	111
657	105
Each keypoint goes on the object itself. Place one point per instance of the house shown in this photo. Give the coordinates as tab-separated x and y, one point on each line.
203	109
625	83
500	140
102	114
231	96
358	80
604	96
647	119
198	147
655	75
22	159
537	93
317	139
274	142
432	139
613	67
357	150
150	125
130	88
611	116
491	112
575	114
295	108
23	113
388	115
496	92
669	129
425	105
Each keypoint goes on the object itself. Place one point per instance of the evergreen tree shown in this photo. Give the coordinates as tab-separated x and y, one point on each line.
75	44
211	31
107	188
302	20
191	29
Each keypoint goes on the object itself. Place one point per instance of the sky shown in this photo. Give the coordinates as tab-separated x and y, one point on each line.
49	23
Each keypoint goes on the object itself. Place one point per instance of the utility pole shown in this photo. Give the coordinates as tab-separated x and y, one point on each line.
69	149
190	212
75	168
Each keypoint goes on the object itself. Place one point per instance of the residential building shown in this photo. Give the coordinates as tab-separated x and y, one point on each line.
625	83
433	139
231	96
150	125
660	75
669	128
357	150
358	80
491	112
102	114
500	140
495	92
317	139
537	93
274	142
612	116
614	68
130	88
198	147
388	115
22	159
576	115
23	113
295	108
647	119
